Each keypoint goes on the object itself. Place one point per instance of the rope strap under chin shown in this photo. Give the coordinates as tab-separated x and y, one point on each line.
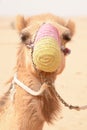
43	87
29	90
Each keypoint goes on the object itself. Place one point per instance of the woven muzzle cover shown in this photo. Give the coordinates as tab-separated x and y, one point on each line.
47	52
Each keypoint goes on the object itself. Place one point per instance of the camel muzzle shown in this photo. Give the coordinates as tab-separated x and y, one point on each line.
47	51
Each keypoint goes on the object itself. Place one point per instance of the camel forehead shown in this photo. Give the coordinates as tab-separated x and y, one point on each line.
34	23
37	20
42	18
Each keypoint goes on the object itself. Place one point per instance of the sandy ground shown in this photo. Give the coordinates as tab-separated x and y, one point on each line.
71	84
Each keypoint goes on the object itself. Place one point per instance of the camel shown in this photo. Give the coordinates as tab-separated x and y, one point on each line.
31	99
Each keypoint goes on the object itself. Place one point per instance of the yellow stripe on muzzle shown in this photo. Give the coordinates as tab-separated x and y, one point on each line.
47	54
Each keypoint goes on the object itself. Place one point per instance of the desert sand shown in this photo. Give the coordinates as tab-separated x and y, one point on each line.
71	84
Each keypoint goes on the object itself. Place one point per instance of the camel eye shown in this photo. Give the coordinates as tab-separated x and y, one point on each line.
66	36
24	37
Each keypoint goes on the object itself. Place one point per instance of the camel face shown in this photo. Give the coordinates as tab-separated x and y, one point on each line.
29	28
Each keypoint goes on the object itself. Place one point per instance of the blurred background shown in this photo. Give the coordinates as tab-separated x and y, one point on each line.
29	7
72	83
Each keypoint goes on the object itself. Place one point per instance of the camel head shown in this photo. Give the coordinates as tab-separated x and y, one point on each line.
43	42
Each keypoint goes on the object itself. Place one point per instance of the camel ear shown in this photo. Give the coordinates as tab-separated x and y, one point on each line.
71	25
20	23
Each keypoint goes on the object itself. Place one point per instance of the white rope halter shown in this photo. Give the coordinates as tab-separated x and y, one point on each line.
29	90
40	91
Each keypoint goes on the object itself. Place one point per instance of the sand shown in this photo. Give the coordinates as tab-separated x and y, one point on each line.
71	84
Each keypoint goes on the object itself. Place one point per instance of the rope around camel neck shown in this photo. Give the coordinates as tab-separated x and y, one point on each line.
78	108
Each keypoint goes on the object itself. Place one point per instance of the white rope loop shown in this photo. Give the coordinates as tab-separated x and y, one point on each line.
43	87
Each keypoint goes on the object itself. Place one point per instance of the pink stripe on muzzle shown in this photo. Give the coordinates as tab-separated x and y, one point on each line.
47	30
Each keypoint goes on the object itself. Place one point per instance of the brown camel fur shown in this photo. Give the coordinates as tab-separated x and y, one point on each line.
19	110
